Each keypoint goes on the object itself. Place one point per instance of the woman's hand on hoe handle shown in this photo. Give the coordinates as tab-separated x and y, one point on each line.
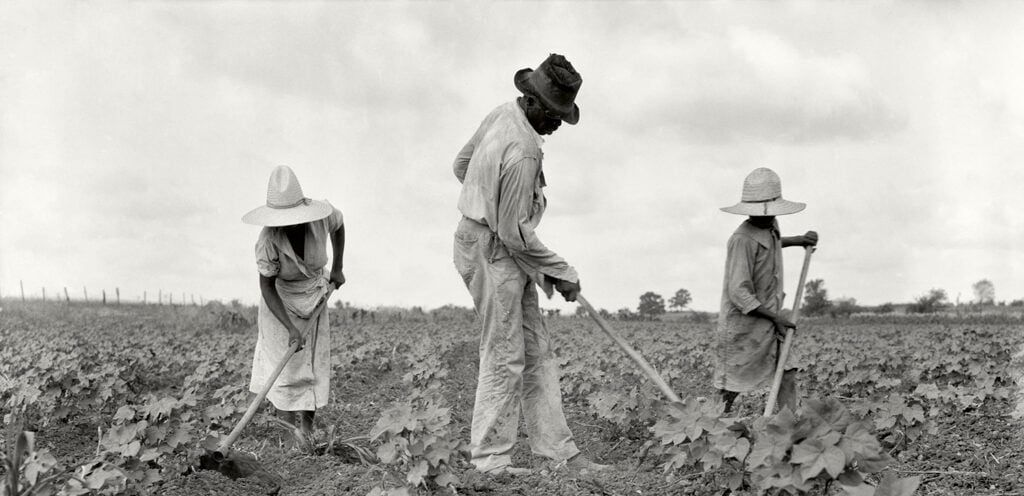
294	334
337	277
295	337
268	289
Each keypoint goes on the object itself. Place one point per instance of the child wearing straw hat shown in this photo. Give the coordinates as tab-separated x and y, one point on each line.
750	322
291	257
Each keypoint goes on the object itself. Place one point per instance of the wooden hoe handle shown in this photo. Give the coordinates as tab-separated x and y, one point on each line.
784	353
644	366
237	431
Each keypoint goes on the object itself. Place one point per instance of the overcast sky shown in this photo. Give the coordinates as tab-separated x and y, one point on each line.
133	136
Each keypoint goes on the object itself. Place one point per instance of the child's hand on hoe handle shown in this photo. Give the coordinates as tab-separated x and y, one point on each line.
806	240
781	323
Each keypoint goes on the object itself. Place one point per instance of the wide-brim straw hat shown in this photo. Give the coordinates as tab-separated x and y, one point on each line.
762	196
556	83
286	205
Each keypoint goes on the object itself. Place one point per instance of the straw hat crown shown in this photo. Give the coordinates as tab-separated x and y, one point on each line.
762	185
286	204
284	190
762	196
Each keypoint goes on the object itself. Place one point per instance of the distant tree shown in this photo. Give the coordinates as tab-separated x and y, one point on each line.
984	292
580	311
1017	303
816	298
844	307
929	303
680	300
884	308
651	305
554	312
604	313
625	314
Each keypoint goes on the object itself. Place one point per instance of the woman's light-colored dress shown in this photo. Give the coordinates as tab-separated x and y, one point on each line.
302	282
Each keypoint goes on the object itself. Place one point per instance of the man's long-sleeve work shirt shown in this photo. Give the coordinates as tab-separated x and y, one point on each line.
502	187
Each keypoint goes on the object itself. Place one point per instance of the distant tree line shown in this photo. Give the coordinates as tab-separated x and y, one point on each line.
651	306
817	302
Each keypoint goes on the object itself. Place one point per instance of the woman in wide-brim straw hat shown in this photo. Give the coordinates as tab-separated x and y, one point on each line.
291	257
750	324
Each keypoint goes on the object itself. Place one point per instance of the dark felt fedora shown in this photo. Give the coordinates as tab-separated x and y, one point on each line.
556	83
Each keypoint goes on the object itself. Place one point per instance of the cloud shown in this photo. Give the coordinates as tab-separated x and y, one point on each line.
744	84
134	137
355	56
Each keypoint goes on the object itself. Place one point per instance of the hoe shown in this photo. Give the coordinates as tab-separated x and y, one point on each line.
652	374
238	465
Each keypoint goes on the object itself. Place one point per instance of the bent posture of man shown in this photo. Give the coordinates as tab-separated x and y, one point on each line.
501	260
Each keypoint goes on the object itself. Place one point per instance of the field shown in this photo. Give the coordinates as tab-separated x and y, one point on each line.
125	399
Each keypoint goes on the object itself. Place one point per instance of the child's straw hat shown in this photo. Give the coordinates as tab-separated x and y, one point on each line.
762	196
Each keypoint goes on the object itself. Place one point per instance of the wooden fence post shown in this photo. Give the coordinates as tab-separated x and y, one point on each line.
66	297
117	291
22	284
104	296
86	293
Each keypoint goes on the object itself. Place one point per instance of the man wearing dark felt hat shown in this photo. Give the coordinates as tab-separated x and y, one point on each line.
502	262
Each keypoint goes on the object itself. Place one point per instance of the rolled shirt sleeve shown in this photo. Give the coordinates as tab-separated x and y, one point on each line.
516	223
268	260
462	160
739	273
